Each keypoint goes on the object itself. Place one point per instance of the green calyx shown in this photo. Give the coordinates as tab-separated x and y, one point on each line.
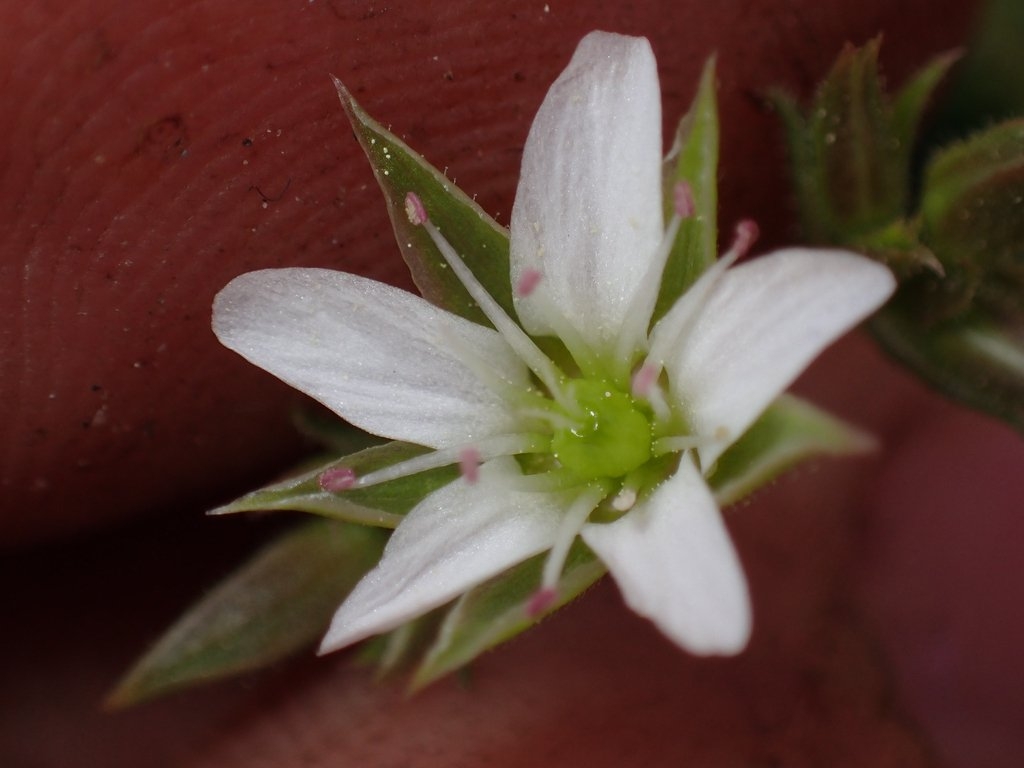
610	434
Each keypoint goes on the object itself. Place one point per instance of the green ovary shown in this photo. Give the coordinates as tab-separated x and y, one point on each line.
611	435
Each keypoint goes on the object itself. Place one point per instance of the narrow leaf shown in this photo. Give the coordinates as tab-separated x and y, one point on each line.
279	602
378	505
694	160
481	242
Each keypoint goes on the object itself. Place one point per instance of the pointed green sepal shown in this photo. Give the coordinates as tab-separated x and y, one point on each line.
693	160
481	242
278	603
499	609
851	151
381	505
788	432
912	101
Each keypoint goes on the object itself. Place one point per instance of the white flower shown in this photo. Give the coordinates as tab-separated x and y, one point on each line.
628	436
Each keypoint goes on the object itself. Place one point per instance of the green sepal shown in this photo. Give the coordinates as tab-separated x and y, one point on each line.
279	602
496	611
788	432
898	245
337	437
851	151
482	242
693	159
401	650
381	505
912	101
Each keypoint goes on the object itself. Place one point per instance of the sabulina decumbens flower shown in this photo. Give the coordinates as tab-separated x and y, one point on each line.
613	442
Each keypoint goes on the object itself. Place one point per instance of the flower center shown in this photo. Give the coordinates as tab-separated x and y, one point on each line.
609	435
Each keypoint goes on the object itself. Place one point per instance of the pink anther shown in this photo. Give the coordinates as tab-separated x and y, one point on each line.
644	379
540	601
469	464
414	209
682	200
747	232
337	479
527	283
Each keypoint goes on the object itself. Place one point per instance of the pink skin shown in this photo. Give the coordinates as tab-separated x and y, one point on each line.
144	169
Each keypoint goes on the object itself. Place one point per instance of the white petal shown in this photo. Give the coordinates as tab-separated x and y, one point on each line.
588	211
377	356
456	538
762	324
674	563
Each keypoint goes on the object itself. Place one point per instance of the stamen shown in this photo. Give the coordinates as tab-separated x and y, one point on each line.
641	308
540	601
645	385
488	448
551	418
528	282
469	464
574	519
669	330
337	479
414	210
682	200
677	443
746	234
521	344
645	378
625	499
578	348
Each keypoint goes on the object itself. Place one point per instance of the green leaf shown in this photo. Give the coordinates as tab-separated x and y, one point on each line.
280	602
481	242
693	159
788	432
496	611
378	505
